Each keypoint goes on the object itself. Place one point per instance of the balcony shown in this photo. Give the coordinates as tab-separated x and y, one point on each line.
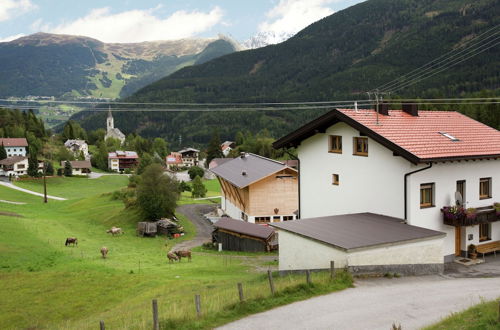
458	216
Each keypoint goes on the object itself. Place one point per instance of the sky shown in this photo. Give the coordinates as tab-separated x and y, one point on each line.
148	20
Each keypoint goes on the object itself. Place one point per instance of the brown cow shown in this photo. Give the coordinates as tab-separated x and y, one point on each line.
172	257
104	252
71	240
115	231
184	254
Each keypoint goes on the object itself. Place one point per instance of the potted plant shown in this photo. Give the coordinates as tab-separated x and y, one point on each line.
471	251
496	206
470	213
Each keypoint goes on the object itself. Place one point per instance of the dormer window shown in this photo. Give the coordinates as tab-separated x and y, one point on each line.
449	136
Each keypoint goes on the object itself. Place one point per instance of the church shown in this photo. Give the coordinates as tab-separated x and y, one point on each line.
111	131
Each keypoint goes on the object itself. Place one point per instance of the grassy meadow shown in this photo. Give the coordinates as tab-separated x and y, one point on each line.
46	285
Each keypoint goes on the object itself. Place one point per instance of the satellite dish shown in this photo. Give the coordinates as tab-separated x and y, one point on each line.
458	198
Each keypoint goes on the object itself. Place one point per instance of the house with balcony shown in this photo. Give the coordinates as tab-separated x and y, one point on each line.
257	189
190	157
120	161
407	164
78	147
15	146
14	166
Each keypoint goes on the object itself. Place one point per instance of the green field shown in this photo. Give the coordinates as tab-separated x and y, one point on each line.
46	285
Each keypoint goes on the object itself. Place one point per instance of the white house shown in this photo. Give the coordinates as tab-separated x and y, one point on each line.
189	157
77	146
15	146
404	164
79	167
122	160
14	166
226	147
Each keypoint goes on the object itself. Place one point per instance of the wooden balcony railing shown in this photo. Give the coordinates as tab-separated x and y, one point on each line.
457	216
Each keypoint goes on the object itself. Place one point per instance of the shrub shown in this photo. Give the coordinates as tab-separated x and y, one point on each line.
195	171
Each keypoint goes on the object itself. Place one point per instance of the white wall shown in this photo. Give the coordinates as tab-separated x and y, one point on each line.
445	177
232	210
367	184
297	253
15	151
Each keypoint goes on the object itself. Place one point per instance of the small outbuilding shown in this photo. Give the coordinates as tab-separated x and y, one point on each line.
363	242
236	235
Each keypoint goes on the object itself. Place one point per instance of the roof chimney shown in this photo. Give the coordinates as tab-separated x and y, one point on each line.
383	109
411	109
244	173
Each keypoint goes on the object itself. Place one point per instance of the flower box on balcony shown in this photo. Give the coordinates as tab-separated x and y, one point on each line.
458	216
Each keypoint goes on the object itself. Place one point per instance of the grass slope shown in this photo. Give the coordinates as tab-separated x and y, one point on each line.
44	284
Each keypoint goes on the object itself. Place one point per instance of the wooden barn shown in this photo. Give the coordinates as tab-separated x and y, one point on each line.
236	235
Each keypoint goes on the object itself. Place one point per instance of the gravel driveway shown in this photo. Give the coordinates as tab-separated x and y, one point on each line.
204	228
413	302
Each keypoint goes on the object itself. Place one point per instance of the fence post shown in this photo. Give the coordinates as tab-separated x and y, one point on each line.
271	283
240	292
156	324
101	325
197	302
332	269
308	276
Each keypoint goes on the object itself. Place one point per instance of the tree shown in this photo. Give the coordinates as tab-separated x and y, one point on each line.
160	147
184	186
100	159
49	168
157	193
195	171
81	156
199	189
214	150
32	163
144	162
3	152
68	169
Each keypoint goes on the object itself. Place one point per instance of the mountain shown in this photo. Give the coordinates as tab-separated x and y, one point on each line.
73	66
339	57
263	39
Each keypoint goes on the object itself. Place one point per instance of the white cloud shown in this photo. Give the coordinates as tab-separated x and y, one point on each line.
291	16
139	25
10	38
12	8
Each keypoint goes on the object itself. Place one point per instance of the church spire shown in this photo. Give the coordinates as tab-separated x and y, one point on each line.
110	122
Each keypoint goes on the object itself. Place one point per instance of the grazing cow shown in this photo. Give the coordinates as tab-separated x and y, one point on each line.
184	254
172	257
71	240
115	231
104	252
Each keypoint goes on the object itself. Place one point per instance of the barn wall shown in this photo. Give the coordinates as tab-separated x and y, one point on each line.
236	243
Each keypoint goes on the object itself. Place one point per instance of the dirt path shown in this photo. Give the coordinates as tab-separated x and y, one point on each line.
10	185
194	212
413	302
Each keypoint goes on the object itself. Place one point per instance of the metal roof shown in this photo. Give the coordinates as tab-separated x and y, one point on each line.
247	169
360	230
246	228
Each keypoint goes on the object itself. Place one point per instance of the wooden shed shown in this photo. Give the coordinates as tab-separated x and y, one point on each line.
146	228
237	235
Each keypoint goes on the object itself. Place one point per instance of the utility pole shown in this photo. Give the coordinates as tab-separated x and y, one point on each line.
44	184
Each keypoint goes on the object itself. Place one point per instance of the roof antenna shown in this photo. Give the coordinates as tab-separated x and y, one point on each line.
356	106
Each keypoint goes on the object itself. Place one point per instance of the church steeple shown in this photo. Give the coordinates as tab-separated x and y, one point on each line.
110	122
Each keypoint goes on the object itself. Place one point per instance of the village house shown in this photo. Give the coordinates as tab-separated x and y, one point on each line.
174	160
14	166
120	161
15	146
258	189
77	147
226	147
189	157
111	131
406	164
79	167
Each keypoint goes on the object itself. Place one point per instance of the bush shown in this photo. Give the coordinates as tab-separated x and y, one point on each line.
195	171
184	186
59	171
199	189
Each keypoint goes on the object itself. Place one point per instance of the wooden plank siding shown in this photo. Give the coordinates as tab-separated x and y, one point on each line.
238	242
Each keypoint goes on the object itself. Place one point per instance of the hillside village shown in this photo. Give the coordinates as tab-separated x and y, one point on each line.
381	213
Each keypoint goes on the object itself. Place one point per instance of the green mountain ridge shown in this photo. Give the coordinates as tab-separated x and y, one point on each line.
337	58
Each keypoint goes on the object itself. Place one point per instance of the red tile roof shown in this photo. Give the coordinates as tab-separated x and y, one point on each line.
13	142
417	138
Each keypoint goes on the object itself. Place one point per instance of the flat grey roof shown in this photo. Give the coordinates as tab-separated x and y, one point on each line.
245	170
353	231
247	228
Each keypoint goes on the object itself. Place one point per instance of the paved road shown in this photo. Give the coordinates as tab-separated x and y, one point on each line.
194	212
413	302
10	185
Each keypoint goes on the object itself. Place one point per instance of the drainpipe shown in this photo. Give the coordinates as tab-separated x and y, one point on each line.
406	185
298	177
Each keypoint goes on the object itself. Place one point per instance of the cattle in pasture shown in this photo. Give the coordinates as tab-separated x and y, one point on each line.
183	254
71	240
104	252
115	231
172	257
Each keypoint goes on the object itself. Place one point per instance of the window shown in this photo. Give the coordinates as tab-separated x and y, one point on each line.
244	217
426	195
21	166
335	144
276	219
287	217
461	189
262	219
335	179
485	188
361	146
484	232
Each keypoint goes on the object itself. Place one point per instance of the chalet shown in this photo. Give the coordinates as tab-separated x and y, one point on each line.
406	164
77	147
15	146
235	235
121	160
189	157
14	166
226	147
79	167
174	160
257	189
